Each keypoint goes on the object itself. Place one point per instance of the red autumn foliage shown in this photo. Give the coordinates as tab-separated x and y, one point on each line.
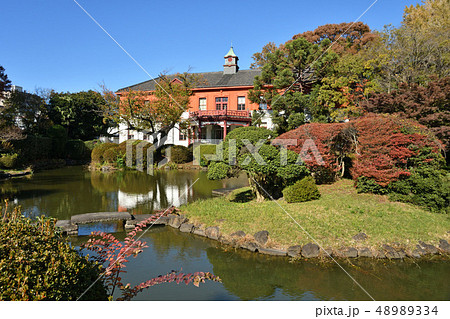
114	255
428	104
384	147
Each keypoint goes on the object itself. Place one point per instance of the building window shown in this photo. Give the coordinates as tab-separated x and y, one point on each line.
221	103
182	136
241	103
202	104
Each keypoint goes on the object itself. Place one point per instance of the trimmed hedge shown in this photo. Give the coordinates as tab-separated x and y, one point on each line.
99	150
302	191
180	154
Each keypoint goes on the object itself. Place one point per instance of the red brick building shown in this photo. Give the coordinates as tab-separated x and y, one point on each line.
218	105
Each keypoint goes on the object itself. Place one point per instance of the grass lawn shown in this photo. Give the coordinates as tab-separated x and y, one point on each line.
332	220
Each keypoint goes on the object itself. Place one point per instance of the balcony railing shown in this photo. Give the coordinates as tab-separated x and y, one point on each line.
220	113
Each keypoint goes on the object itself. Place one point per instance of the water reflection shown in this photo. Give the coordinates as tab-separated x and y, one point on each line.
62	193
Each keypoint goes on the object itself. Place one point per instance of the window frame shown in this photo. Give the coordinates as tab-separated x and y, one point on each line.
240	106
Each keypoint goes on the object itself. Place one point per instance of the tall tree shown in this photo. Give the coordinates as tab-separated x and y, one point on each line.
345	37
416	52
5	83
80	113
153	112
27	111
288	76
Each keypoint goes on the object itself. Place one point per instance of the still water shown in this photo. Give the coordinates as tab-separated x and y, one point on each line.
65	192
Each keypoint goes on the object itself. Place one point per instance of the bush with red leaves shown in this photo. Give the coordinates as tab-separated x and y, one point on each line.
381	148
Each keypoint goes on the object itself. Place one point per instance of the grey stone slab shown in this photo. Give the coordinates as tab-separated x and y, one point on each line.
186	228
272	252
100	217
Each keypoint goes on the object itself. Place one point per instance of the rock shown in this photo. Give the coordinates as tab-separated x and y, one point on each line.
250	246
199	231
294	251
239	233
226	241
261	237
390	252
444	246
212	232
327	252
272	252
175	221
418	252
349	252
186	228
130	224
360	237
310	250
67	227
429	249
99	217
365	252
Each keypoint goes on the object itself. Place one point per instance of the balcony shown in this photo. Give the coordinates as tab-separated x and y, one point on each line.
221	115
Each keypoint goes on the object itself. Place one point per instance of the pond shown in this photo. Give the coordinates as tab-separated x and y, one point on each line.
65	192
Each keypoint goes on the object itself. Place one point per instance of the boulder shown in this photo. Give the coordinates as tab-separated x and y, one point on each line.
175	221
226	240
262	237
186	228
198	231
360	237
272	252
310	250
444	246
239	233
212	232
349	252
365	252
429	249
327	252
294	251
417	252
249	246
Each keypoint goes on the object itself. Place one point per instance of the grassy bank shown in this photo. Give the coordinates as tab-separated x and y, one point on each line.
332	220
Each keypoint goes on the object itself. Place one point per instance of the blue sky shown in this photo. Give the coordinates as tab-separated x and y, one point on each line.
54	44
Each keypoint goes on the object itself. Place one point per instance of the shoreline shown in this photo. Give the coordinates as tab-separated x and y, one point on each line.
259	242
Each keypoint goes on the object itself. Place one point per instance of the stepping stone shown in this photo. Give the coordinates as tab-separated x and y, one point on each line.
67	227
100	217
272	252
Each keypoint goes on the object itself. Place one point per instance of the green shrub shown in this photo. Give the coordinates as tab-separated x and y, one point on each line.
367	185
99	150
77	150
427	187
135	144
9	160
302	191
111	154
180	154
206	149
37	263
91	144
218	170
